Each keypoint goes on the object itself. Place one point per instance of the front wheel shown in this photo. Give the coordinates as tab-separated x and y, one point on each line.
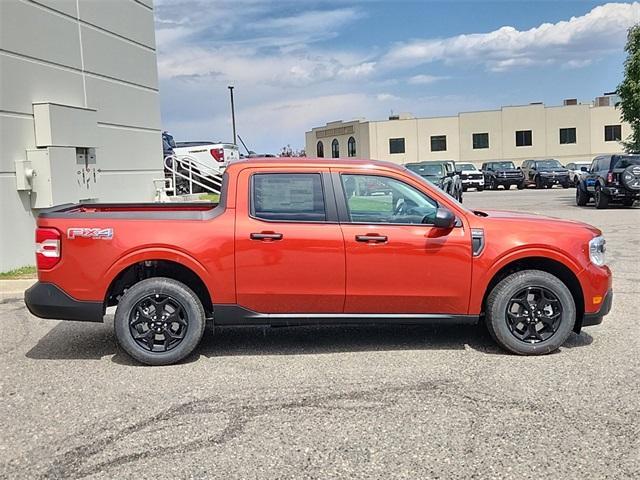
159	321
539	183
582	197
521	185
531	312
479	189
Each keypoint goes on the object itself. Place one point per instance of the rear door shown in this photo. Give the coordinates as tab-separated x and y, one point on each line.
289	245
395	263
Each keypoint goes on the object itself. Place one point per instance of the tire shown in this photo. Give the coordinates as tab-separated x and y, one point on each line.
582	197
566	185
464	189
492	184
520	186
538	182
601	198
479	189
628	202
190	321
501	325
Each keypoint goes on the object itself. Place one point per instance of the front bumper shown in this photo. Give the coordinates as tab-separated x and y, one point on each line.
557	180
595	318
46	300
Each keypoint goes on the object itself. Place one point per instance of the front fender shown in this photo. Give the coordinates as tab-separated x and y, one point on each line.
483	275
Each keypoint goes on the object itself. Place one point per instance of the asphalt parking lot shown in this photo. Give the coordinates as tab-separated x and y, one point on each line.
334	402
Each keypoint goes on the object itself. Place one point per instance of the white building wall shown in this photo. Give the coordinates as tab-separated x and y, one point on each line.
80	53
501	125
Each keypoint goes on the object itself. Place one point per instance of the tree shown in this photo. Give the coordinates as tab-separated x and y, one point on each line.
290	152
629	89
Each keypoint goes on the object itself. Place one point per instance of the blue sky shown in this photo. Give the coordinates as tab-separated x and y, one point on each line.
297	64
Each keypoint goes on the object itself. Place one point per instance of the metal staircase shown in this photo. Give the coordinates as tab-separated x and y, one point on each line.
185	175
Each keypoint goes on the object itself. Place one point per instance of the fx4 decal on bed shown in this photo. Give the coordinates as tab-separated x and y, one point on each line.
95	233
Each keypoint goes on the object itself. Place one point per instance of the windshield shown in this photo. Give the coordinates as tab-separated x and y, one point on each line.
424	181
466	166
502	166
428	170
548	164
624	162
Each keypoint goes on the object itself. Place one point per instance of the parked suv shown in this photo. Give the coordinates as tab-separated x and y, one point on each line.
577	170
502	173
442	174
545	173
471	177
611	178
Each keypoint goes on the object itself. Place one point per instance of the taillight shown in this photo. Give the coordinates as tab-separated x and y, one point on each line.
47	248
217	154
610	177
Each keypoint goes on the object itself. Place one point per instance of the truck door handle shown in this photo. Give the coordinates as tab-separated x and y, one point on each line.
266	236
371	238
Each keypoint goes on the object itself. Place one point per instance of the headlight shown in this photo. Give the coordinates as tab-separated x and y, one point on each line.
597	250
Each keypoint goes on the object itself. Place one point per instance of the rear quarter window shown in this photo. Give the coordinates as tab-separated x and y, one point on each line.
624	162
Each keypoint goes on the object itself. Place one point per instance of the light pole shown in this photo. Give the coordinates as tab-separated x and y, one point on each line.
233	115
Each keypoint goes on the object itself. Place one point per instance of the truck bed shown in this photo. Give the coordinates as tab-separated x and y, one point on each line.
168	211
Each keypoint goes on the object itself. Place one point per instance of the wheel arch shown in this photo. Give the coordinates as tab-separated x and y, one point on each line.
545	264
124	275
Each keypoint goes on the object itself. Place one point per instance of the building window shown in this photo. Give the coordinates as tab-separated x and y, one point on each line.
612	133
523	138
567	135
335	148
396	145
438	143
351	147
320	149
480	140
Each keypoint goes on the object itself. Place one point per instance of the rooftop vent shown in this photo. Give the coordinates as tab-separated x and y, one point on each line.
570	101
394	117
603	101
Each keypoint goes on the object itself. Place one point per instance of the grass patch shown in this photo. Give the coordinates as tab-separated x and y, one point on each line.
19	273
371	204
212	197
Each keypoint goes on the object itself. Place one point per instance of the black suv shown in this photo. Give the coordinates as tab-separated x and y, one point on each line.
611	178
545	173
441	174
502	173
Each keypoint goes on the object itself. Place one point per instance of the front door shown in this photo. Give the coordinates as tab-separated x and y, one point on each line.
289	246
397	261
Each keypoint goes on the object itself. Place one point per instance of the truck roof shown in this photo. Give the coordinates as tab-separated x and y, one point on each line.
312	162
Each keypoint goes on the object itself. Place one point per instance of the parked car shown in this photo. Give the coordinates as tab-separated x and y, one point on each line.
168	144
611	178
212	157
502	173
286	246
545	173
441	174
577	170
471	177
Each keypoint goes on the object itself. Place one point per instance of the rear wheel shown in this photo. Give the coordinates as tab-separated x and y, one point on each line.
492	184
479	189
159	321
582	197
530	313
601	198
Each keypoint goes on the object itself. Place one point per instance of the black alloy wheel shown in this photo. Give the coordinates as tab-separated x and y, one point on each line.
533	314
158	323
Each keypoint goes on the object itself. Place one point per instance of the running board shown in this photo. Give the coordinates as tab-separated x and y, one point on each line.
235	315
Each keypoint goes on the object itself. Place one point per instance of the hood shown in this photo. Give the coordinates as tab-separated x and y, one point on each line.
542	220
553	170
507	170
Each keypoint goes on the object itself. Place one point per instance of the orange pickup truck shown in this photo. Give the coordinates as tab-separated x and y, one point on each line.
306	241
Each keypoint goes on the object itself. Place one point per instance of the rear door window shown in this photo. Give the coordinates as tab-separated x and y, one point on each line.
291	197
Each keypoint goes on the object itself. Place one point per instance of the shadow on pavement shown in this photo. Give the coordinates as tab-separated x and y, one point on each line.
93	341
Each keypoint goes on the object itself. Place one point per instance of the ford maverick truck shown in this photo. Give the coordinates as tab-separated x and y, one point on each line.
303	241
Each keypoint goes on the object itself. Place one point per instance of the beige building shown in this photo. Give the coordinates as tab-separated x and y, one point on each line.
573	131
79	110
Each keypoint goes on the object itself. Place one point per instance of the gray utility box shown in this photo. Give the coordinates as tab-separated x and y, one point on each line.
61	175
63	169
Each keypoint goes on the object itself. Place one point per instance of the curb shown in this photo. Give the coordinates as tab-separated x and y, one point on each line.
12	289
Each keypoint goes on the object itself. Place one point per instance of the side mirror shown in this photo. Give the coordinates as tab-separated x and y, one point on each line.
444	218
584	169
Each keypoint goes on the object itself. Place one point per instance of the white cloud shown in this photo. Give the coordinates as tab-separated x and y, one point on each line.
572	43
424	79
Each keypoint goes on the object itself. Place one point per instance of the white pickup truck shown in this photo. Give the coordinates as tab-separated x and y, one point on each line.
211	158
